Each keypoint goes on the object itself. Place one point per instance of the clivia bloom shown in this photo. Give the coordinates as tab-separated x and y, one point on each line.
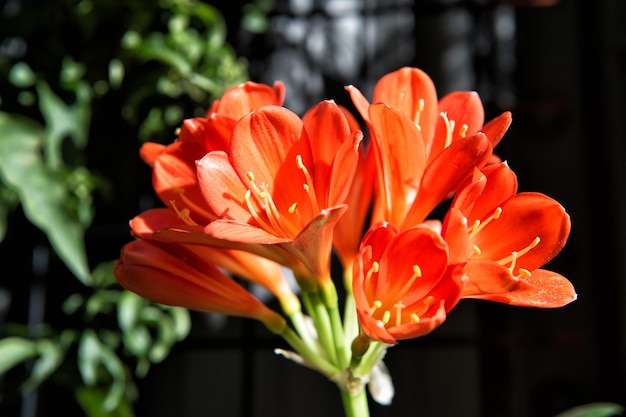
424	148
402	282
174	166
248	266
280	188
176	182
505	237
176	274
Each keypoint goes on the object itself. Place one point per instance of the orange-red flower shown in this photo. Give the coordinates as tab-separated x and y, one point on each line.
402	282
177	274
281	187
174	166
505	238
424	148
441	122
253	268
176	182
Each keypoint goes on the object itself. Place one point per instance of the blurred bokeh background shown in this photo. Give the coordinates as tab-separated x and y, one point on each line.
84	82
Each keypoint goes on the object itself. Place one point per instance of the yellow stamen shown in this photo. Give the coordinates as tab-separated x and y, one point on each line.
373	270
253	212
386	317
475	250
429	300
192	206
375	306
449	128
415	318
515	255
463	130
417	273
308	187
418	113
183	214
270	209
477	226
399	306
263	197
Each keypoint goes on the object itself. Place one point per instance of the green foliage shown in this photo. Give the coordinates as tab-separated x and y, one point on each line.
32	166
200	65
160	62
594	410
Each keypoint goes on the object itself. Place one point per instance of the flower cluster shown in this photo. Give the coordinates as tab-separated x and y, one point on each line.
252	187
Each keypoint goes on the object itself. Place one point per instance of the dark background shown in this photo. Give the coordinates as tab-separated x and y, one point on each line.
559	66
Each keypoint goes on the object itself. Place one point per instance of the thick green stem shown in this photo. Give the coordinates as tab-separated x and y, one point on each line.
312	359
374	354
355	405
338	336
319	314
297	319
350	319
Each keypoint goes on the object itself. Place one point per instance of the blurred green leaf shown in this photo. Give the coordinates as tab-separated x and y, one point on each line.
94	356
50	357
41	194
103	274
116	73
594	410
63	121
15	350
128	309
21	75
91	400
89	357
8	201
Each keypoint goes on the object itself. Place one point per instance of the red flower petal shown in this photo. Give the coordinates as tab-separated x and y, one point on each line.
524	218
544	289
446	173
403	89
466	110
401	159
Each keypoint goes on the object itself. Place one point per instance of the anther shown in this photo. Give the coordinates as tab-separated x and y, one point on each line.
429	300
182	214
449	128
463	130
415	318
192	206
477	226
292	208
515	255
417	273
373	270
308	187
386	317
476	250
375	306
